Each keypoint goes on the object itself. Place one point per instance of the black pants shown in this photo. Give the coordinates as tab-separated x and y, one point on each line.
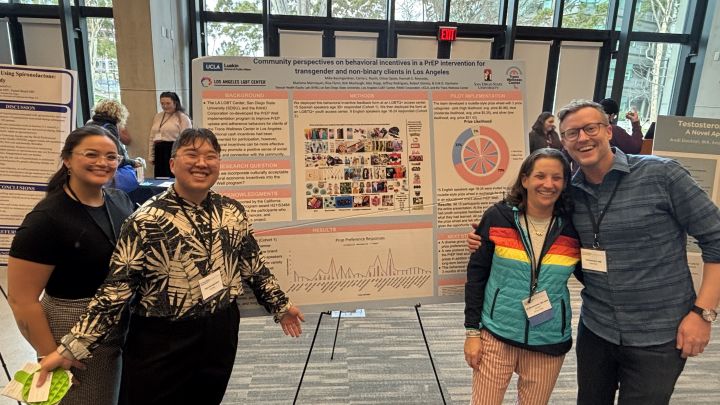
644	375
162	158
182	362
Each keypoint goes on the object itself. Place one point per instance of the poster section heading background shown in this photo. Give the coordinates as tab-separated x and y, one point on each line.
37	111
362	176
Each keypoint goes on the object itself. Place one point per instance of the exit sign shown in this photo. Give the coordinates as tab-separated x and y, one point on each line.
447	33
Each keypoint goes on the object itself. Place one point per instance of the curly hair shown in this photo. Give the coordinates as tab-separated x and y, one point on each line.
112	109
517	195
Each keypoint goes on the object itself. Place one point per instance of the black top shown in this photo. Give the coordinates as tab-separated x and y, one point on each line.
60	231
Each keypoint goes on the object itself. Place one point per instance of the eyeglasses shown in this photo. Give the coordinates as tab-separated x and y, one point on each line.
192	157
591	129
94	156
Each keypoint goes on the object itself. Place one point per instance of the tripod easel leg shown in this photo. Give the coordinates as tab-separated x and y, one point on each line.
317	327
427	346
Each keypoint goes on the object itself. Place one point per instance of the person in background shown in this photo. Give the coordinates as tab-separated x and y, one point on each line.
631	144
166	127
112	116
179	266
63	248
528	251
543	134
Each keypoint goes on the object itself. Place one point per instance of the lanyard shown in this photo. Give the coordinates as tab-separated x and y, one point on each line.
207	244
111	238
534	264
596	225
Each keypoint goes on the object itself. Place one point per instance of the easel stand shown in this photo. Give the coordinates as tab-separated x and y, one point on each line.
337	328
427	346
317	327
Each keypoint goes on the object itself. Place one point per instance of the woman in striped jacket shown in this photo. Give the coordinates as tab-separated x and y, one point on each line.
517	309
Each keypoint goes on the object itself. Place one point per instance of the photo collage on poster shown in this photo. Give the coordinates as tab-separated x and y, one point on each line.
360	168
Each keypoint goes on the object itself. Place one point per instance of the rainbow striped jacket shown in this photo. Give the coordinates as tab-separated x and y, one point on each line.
499	279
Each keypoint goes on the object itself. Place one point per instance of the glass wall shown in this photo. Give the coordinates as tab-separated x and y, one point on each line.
588	14
420	10
475	11
649	80
103	58
234	39
538	13
372	9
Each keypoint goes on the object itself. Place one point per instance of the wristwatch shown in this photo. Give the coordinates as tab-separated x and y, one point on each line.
708	315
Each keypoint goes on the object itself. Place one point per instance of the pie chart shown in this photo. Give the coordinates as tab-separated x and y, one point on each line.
480	155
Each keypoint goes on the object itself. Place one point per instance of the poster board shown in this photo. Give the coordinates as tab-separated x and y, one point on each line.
695	143
362	176
37	111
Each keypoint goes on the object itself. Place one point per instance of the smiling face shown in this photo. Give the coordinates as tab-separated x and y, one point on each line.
167	104
91	163
196	168
592	153
544	185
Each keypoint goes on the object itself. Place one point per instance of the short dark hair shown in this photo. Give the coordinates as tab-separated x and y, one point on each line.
175	98
610	106
191	135
517	196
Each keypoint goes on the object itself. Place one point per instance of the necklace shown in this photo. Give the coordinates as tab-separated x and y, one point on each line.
538	228
163	120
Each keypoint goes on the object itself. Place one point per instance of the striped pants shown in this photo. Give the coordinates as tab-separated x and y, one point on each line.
537	373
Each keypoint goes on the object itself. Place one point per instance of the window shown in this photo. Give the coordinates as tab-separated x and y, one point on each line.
44	2
103	58
667	16
236	6
538	13
475	11
374	9
98	3
588	14
650	78
424	10
299	7
234	39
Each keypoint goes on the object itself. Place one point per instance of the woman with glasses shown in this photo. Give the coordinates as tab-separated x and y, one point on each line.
166	128
517	303
63	249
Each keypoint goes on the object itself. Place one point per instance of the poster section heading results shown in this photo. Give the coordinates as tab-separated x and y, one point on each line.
336	147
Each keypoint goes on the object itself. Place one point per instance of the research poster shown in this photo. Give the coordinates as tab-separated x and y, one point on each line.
37	111
362	176
695	143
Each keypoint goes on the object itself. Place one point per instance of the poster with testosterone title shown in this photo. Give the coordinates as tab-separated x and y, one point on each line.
37	111
695	143
362	176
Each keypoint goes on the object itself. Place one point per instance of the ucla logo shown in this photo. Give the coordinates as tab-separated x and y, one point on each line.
212	66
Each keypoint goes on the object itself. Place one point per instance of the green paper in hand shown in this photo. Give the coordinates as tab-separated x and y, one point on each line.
59	386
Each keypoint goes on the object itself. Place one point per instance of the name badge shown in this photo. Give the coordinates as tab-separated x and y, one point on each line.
594	259
539	309
211	285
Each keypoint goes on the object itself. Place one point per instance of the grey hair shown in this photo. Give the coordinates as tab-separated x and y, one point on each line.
577	105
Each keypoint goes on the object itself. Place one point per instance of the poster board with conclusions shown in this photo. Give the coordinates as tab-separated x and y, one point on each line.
37	111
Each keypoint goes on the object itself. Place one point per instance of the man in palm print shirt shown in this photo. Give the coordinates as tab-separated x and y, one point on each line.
179	265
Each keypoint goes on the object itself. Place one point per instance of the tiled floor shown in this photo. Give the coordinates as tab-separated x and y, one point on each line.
380	359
